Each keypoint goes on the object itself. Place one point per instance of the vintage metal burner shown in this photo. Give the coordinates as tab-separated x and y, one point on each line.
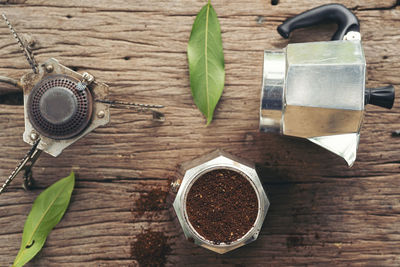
60	106
317	90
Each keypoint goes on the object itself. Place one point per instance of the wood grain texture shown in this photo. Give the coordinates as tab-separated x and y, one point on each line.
321	212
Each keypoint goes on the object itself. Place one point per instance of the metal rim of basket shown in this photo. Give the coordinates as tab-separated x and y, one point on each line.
251	232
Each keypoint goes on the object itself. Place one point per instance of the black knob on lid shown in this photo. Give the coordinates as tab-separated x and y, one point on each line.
382	96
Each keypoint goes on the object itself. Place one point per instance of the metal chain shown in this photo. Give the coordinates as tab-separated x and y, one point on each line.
31	156
25	49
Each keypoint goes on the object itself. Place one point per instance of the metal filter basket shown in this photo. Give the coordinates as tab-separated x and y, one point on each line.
195	169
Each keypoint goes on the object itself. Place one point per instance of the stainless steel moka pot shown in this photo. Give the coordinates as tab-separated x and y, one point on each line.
316	90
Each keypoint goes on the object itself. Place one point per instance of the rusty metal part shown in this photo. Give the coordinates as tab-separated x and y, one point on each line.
25	48
57	109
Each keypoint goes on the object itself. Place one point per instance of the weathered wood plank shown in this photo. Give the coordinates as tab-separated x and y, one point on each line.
321	212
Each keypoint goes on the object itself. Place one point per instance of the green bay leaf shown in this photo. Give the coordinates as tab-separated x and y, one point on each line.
47	210
206	61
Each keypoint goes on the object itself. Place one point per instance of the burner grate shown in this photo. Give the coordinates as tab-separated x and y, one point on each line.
57	109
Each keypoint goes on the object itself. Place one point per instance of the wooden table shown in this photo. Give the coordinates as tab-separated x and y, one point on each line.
322	213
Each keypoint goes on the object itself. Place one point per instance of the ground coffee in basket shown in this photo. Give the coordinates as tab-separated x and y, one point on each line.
222	206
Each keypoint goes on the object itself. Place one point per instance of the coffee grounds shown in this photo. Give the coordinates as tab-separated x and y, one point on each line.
222	206
151	249
154	200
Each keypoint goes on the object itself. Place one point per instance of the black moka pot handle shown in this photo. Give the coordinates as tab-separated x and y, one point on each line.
336	13
382	96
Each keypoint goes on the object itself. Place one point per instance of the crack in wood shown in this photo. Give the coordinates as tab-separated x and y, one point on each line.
394	6
12	2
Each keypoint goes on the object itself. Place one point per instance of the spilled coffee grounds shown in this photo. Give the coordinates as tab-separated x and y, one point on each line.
151	249
155	200
222	206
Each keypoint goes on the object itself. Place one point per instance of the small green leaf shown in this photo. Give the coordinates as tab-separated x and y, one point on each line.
47	210
206	61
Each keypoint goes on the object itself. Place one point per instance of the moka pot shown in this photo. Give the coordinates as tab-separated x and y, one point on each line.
316	90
